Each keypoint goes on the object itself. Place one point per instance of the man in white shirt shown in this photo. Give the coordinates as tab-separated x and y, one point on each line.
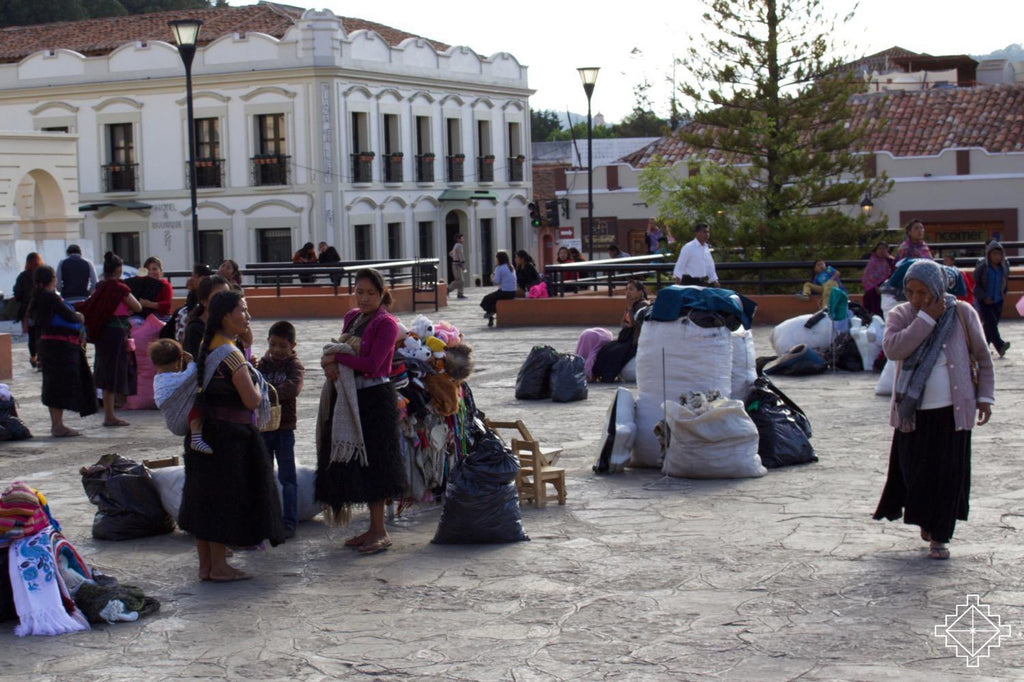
457	254
695	264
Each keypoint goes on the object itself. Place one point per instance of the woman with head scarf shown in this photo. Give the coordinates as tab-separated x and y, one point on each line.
933	339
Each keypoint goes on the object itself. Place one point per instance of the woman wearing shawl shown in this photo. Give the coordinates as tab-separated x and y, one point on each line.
914	245
932	338
879	268
24	285
106	318
358	456
229	497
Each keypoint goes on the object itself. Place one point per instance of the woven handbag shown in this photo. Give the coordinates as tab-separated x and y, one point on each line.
274	422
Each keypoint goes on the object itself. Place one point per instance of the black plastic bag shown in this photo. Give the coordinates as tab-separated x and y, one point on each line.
534	379
481	504
129	504
11	427
568	379
843	354
797	361
783	429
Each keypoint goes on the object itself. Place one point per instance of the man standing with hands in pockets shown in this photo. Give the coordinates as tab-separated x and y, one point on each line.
458	266
695	264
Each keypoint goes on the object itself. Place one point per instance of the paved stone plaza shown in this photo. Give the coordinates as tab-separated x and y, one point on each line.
637	577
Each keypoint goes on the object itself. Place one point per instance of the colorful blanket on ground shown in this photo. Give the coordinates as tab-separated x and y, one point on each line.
23	512
44	605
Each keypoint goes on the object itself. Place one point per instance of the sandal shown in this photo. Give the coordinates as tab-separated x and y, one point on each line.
116	422
375	547
65	432
938	551
356	541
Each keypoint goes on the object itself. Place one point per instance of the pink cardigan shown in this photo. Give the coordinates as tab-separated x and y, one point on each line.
376	346
906	328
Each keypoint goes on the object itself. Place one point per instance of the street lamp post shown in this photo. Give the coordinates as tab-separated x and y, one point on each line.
186	31
588	74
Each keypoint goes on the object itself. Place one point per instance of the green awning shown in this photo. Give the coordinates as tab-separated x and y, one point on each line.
127	205
466	195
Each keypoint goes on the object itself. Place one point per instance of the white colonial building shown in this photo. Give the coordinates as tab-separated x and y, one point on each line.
309	127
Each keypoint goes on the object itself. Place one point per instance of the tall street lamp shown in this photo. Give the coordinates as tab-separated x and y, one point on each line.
186	31
588	74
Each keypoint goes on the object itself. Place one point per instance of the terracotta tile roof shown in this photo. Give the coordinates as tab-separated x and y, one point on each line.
919	123
94	37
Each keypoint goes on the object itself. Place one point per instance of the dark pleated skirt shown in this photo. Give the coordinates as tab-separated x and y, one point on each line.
342	485
230	496
67	379
929	480
115	365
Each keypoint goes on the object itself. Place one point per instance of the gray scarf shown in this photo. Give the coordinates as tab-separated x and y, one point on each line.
917	368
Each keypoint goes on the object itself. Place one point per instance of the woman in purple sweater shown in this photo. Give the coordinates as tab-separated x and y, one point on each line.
932	338
352	478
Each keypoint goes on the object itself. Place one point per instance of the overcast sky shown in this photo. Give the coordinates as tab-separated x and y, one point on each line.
554	38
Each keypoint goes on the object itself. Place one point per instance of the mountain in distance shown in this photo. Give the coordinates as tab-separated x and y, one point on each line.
1013	53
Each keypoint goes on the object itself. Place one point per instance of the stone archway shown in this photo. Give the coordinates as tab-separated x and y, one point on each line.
39	206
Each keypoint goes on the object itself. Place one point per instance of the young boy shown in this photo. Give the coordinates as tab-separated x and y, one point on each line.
282	369
824	279
169	359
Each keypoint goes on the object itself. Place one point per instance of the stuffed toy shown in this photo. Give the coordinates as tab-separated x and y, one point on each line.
448	333
458	361
422	327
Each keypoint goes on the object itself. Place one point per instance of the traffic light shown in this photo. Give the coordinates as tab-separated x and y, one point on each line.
551	212
534	214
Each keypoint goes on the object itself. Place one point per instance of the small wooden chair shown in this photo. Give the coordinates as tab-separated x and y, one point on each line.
535	465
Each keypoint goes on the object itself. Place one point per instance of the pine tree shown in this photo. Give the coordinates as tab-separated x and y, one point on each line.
772	114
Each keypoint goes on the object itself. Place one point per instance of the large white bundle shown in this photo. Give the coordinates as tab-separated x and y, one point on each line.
619	433
869	340
885	381
792	332
888	303
695	359
170	482
719	443
744	363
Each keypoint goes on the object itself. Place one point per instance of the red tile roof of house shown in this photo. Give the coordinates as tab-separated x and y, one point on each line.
94	37
919	123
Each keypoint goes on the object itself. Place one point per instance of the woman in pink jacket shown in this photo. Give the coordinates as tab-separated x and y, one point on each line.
932	338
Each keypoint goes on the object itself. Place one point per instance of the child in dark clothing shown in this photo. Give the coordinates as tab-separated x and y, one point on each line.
282	369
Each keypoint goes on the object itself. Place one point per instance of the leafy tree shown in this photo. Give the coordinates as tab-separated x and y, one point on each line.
779	173
579	131
642	121
543	124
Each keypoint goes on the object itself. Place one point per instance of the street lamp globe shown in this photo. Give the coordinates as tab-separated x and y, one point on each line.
186	31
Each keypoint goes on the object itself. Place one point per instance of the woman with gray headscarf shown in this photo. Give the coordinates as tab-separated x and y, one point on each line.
932	338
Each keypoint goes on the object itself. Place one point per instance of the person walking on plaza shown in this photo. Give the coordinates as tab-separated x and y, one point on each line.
76	277
67	380
695	264
914	245
458	256
933	338
991	278
24	285
505	277
106	318
359	459
283	370
229	497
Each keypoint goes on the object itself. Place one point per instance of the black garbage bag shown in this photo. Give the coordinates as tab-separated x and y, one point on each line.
481	504
534	379
843	354
782	427
568	379
11	427
129	504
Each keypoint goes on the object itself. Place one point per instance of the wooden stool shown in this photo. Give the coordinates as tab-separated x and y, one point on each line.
535	465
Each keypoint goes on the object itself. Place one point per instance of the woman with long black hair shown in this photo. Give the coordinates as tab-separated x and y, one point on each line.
229	497
67	381
24	285
358	456
505	277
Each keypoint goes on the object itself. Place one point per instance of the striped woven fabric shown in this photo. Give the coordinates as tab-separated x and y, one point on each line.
22	513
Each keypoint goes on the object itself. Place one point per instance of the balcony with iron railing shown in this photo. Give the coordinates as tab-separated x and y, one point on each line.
393	167
515	168
456	168
485	168
362	166
209	174
425	167
120	177
268	169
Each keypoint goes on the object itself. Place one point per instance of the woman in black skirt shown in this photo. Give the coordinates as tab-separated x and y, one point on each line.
67	381
229	497
932	338
107	312
371	472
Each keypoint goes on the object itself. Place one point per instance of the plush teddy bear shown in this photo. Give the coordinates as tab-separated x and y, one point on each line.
422	327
